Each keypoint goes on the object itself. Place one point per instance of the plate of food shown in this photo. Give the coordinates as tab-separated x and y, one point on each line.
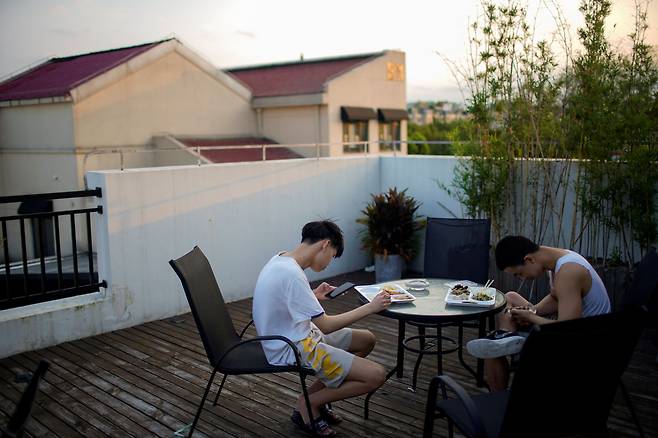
398	293
461	295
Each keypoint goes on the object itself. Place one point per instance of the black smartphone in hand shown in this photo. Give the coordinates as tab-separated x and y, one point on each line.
340	290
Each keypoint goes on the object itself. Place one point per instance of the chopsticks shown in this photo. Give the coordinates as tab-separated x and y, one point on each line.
488	283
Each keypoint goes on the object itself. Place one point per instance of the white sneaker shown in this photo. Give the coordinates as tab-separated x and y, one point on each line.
499	343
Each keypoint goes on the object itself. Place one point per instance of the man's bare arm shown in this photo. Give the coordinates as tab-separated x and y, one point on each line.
330	323
570	283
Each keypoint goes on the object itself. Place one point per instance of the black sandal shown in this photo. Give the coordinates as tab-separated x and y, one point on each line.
321	426
328	415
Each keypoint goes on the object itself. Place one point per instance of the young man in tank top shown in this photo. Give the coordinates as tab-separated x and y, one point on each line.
576	291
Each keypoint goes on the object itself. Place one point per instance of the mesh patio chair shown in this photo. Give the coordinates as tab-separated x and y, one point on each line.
643	291
16	424
227	352
568	370
459	249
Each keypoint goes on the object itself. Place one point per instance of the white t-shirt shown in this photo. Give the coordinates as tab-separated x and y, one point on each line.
284	305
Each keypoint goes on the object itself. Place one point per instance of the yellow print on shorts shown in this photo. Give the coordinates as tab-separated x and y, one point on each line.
321	359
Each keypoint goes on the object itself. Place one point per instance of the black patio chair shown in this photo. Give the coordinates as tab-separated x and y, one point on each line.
643	291
568	370
16	424
227	352
459	249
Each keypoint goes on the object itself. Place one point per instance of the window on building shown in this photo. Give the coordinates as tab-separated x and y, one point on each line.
389	136
390	122
354	136
355	127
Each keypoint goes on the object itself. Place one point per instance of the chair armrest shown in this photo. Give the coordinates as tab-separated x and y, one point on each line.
465	399
245	328
298	358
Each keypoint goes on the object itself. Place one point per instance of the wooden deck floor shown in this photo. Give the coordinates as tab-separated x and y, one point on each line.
147	381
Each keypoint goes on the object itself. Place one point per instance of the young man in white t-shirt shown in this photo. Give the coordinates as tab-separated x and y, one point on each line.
577	291
285	305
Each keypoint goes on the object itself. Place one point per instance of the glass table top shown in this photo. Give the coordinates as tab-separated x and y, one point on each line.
430	303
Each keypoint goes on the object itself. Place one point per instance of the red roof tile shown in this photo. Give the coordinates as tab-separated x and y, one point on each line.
58	76
240	154
302	77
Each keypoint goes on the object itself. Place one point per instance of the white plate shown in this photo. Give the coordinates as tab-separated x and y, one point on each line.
470	302
369	292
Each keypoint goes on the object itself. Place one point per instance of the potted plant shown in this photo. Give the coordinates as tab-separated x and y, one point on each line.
390	234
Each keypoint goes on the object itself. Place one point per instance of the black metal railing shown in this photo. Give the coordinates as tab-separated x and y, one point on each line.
19	286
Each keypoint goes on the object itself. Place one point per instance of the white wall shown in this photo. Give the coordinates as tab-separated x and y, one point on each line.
296	125
240	214
37	126
171	95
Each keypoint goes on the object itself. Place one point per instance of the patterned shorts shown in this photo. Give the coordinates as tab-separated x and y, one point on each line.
327	355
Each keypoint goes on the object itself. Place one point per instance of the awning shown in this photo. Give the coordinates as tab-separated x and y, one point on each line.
356	113
391	115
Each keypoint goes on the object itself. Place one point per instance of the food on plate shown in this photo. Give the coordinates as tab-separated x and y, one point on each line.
482	296
392	290
459	290
403	297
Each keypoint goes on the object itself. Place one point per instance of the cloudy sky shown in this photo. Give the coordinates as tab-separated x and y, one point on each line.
245	32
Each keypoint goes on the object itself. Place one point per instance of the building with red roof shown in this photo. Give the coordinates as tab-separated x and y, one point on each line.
160	103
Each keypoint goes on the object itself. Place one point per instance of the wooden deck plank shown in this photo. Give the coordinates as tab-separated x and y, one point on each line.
148	380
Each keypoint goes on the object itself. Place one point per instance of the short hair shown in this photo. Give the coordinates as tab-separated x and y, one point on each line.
316	231
511	251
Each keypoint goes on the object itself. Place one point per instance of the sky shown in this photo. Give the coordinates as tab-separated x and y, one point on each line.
231	33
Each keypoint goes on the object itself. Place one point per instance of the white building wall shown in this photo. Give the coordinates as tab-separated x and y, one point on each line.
37	126
36	156
170	95
296	125
366	86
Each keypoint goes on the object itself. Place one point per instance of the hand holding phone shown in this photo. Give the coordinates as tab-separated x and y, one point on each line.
340	290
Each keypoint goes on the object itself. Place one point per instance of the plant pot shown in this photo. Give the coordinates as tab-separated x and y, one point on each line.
388	267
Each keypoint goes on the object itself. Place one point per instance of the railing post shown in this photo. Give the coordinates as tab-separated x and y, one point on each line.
263	147
198	156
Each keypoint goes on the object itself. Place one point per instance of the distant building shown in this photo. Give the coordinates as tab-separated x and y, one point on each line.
425	113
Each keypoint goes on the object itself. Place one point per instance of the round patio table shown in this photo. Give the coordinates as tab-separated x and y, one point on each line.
429	309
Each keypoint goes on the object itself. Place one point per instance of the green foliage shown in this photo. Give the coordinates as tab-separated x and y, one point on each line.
613	108
455	131
391	224
599	108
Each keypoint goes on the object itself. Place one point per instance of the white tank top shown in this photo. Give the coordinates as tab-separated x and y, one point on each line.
595	301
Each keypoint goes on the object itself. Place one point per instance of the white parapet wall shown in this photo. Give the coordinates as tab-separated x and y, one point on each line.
239	214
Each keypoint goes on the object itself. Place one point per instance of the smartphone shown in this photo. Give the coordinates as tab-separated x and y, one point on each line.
340	290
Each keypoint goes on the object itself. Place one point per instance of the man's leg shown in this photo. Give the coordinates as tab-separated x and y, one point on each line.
496	370
504	319
364	376
496	373
362	343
